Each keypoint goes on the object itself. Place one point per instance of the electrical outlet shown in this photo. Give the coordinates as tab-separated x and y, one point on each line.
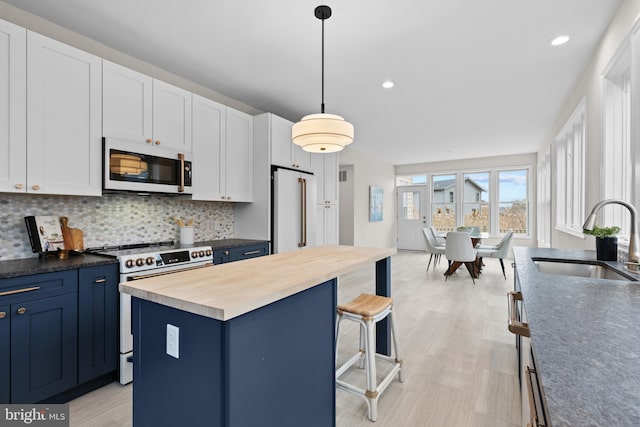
173	341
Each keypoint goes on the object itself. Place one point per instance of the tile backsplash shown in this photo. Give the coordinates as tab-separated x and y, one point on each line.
111	219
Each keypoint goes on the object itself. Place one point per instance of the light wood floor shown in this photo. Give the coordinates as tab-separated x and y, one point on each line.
460	364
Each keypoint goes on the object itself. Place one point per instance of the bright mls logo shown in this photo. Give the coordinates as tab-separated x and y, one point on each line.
34	415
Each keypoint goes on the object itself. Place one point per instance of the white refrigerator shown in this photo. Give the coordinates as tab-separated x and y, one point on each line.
294	210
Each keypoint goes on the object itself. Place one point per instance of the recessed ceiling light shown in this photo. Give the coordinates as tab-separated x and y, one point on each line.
557	41
388	84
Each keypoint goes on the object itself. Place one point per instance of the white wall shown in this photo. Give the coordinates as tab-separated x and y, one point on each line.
368	171
590	85
482	164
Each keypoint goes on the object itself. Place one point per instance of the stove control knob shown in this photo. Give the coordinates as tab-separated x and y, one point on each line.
140	262
194	254
208	252
201	254
128	263
149	260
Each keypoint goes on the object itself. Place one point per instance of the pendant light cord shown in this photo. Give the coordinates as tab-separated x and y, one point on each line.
322	102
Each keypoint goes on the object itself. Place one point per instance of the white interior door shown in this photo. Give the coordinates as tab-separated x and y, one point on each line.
412	216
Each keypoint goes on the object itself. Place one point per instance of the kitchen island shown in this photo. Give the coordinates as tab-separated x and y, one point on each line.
584	338
255	339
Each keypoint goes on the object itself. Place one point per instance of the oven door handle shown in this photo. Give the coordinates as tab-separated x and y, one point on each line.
146	276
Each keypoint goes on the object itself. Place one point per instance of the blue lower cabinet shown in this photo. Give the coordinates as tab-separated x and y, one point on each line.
246	252
43	347
273	366
97	321
5	354
220	256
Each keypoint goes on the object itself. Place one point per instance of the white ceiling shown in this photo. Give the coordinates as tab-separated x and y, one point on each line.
475	78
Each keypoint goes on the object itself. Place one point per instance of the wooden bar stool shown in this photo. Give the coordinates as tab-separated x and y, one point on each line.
367	310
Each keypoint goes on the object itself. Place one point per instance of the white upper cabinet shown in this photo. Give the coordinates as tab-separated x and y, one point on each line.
222	152
239	156
171	116
325	167
283	151
209	121
13	108
140	108
127	103
64	111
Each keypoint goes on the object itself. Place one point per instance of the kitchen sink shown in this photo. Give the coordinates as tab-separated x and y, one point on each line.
580	269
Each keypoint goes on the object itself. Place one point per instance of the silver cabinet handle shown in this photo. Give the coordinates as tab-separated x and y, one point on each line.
19	291
252	252
100	280
515	327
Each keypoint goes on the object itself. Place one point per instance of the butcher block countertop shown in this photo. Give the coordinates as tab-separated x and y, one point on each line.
226	291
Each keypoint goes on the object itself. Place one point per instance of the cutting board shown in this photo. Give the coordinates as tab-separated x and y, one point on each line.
73	237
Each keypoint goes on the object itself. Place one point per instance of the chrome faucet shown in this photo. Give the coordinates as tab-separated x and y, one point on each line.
634	255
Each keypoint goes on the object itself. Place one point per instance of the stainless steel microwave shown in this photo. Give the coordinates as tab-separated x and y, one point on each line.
135	167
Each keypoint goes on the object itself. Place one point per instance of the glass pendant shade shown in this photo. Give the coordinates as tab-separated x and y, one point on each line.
322	133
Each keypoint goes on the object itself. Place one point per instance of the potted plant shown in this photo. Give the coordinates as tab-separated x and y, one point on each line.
606	242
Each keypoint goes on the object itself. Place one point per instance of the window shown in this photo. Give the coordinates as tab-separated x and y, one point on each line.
570	143
443	215
411	180
495	200
411	205
616	149
475	206
513	204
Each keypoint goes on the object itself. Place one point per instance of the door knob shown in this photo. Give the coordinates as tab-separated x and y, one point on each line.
22	310
3	314
19	186
149	141
157	142
36	187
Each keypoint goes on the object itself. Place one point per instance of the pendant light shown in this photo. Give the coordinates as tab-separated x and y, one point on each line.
322	133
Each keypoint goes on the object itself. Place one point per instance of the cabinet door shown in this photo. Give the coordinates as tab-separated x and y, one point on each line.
44	348
326	225
97	321
239	156
208	149
126	103
5	354
220	256
300	158
64	126
171	116
281	144
13	108
325	168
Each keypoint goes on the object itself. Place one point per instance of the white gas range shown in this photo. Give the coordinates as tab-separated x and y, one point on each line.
140	261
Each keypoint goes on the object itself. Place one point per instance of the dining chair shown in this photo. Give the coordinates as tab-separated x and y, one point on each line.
434	232
460	249
500	251
433	247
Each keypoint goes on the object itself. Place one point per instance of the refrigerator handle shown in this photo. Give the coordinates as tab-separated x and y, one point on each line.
303	212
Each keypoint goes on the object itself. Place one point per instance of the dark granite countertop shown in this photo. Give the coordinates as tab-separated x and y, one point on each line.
29	266
584	333
35	265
